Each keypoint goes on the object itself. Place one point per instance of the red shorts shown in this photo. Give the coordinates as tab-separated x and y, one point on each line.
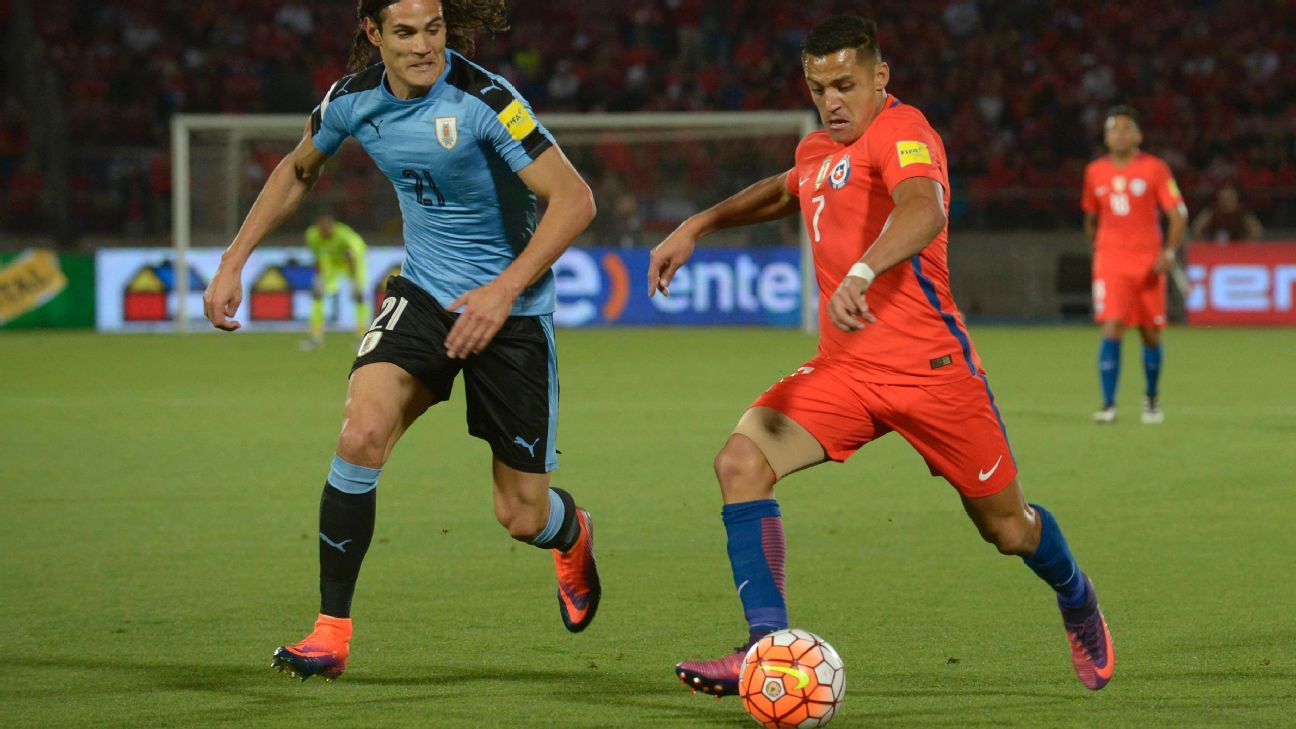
955	426
1134	298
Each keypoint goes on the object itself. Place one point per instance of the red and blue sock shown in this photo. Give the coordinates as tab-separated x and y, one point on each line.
757	551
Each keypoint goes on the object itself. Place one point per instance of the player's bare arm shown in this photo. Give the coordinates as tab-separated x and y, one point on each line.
1175	233
766	200
292	178
919	217
570	210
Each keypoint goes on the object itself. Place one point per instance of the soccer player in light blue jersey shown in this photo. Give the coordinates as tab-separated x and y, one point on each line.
476	295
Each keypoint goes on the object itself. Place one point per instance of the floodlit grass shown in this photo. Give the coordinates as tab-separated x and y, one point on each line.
160	495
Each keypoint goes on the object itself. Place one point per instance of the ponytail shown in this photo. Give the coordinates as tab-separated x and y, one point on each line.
361	51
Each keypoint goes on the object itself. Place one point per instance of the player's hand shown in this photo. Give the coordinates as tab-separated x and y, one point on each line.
667	258
1164	262
485	310
223	296
847	306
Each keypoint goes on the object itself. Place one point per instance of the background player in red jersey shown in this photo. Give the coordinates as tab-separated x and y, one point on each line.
894	354
1123	193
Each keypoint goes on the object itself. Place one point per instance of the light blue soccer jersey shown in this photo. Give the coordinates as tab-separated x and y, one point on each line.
453	156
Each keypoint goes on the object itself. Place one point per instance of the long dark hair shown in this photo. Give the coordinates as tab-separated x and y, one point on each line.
464	19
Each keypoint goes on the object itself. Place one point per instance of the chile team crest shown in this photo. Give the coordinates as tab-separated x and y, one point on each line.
447	131
840	174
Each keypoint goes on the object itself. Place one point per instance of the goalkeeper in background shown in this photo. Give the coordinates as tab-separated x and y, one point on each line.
339	251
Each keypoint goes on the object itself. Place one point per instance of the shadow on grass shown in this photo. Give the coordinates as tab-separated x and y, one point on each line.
632	697
617	698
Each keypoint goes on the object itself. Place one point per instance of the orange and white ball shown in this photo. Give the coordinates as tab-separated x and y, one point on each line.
792	678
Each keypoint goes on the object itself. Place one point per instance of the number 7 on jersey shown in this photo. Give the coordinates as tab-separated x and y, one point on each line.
820	201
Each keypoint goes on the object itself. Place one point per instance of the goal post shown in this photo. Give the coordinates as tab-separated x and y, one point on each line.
655	168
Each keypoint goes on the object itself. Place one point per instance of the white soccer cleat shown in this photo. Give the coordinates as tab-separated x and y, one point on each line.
1152	413
1106	415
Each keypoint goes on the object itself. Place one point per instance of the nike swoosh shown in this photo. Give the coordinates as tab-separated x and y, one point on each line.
744	584
983	475
803	679
802	181
577	601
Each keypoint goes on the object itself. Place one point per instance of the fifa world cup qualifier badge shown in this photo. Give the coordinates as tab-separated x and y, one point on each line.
823	173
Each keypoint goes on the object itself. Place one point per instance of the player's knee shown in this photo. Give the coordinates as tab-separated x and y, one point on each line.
1010	536
740	465
362	443
521	523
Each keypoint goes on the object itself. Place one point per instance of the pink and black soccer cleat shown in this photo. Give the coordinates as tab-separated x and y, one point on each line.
717	678
1091	642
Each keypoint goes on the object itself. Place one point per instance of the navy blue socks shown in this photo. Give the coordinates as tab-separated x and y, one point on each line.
1053	562
1152	368
1109	369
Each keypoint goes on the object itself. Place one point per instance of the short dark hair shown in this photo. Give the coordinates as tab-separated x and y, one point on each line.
841	32
1123	110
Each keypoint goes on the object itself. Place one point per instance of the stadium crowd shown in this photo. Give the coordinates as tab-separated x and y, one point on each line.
1016	87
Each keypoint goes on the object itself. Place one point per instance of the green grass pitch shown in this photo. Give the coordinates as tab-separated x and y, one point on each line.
158	530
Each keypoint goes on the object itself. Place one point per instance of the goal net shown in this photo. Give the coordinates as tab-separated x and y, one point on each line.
649	171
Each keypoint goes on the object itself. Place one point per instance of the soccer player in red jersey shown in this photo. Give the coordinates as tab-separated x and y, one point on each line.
1123	194
894	354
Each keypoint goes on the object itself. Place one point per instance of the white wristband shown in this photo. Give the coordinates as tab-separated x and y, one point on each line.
862	270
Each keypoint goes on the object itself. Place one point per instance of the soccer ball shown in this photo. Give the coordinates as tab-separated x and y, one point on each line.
792	678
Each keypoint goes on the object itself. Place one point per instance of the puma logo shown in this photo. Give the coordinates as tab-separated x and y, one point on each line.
374	123
339	546
529	446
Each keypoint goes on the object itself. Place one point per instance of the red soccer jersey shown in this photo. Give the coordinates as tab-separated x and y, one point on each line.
845	194
1128	201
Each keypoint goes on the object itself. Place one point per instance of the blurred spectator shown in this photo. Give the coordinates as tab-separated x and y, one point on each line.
1016	87
1226	220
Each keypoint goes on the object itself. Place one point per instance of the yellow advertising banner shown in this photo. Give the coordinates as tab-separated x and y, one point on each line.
28	281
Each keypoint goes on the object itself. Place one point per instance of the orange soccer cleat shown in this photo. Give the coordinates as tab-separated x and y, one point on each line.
579	588
323	653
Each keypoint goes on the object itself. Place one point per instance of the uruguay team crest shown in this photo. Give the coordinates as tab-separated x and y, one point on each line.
840	173
447	131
